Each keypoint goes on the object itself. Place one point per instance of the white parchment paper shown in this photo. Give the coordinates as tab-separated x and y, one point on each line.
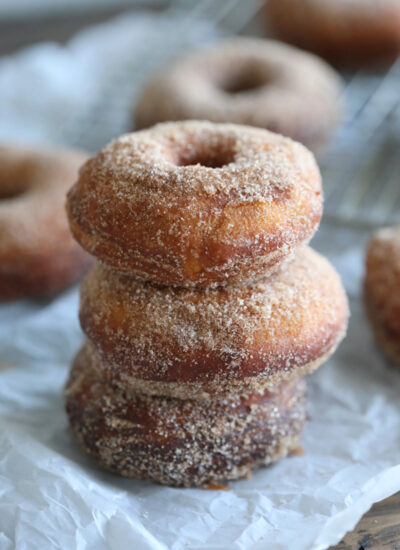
53	497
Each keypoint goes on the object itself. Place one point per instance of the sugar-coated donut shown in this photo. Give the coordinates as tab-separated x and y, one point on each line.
197	203
37	252
196	343
344	31
382	289
181	442
257	82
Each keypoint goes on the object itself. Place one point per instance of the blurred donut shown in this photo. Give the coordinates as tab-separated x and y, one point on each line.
382	290
247	81
196	203
197	343
181	442
38	255
343	31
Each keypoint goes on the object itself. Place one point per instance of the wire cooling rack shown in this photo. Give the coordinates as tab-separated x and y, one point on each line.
110	113
361	168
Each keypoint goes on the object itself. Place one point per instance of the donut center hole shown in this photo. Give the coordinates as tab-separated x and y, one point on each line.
210	151
209	161
243	83
213	158
10	191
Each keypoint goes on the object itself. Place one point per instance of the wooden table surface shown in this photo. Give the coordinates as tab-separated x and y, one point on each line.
378	529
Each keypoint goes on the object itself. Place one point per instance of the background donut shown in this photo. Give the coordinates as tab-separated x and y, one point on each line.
343	31
197	203
38	255
191	342
247	81
382	290
181	442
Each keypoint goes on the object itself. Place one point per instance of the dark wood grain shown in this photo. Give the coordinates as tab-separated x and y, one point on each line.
378	529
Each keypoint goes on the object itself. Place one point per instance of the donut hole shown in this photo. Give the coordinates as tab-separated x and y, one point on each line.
209	161
243	83
210	155
15	180
10	192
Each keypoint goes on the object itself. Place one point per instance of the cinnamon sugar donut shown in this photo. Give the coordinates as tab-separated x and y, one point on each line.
37	252
198	343
340	30
382	290
196	203
177	442
247	81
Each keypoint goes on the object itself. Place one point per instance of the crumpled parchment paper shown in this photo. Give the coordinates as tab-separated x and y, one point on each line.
53	497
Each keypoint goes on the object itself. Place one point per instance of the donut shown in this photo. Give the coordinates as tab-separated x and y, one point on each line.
181	442
198	343
382	290
342	31
38	255
196	203
255	82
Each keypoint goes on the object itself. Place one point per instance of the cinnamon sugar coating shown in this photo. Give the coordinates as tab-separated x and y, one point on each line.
215	387
343	31
37	252
258	82
196	203
181	442
382	289
214	339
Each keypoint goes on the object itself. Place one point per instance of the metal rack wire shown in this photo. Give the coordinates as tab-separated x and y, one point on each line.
109	114
362	167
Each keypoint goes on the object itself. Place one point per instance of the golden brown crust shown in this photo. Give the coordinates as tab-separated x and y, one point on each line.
382	289
196	203
216	387
38	255
182	442
257	82
264	329
344	31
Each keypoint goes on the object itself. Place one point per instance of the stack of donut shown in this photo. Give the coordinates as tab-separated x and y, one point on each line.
206	308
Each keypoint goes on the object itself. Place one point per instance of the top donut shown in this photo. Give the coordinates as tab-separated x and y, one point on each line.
261	83
196	203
